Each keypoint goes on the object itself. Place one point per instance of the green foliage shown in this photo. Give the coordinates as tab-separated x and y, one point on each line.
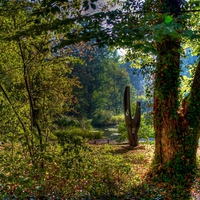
101	69
146	130
86	124
122	130
168	19
67	122
113	80
76	135
102	117
106	118
36	87
117	118
86	172
36	84
80	172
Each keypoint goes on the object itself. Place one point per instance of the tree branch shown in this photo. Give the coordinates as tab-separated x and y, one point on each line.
13	108
20	121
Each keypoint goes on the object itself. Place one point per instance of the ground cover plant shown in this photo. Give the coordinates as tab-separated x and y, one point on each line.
86	171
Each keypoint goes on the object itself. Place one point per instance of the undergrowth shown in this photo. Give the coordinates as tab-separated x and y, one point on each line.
87	172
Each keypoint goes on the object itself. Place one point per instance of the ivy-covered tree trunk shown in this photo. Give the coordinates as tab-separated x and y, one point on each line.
166	99
176	125
176	121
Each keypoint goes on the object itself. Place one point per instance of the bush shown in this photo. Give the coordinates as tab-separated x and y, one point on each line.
146	128
85	124
74	135
102	118
67	122
106	118
122	130
70	122
117	119
73	144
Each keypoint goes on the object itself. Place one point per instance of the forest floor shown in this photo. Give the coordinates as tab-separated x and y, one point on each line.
104	172
142	157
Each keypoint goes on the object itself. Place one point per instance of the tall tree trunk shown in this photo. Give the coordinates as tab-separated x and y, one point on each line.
166	99
191	111
34	112
176	125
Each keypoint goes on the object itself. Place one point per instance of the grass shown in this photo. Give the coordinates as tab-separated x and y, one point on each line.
95	172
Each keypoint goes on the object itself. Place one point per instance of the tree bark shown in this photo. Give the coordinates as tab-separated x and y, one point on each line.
166	99
192	117
176	125
177	134
34	116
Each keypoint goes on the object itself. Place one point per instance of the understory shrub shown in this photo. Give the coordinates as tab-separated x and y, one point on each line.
71	122
106	118
101	118
67	122
146	127
97	172
76	173
122	130
146	130
70	135
116	119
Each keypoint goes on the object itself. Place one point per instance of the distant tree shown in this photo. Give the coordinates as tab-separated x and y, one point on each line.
113	81
102	80
34	88
87	73
136	78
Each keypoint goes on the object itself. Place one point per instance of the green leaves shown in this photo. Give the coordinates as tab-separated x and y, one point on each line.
87	4
168	19
37	82
93	6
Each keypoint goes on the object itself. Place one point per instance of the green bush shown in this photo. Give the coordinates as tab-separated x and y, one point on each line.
73	144
67	122
146	128
70	122
73	135
86	124
102	118
117	119
105	118
122	130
